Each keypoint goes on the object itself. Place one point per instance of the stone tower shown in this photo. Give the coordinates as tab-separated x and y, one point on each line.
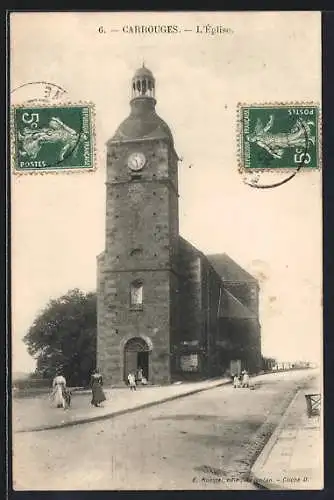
137	273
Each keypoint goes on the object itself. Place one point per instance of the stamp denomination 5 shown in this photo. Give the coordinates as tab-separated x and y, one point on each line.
53	137
281	136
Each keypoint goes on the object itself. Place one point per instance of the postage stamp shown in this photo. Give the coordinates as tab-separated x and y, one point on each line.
54	137
279	136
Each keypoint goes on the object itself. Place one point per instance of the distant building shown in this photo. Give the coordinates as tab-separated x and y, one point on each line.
162	304
269	364
292	365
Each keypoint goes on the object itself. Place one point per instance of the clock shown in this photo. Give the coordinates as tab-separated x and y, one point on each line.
136	161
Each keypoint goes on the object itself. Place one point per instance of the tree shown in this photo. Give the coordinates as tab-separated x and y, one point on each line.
63	337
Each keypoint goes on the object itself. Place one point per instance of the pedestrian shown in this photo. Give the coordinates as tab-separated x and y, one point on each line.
245	379
59	388
144	380
139	375
132	381
67	397
98	395
236	382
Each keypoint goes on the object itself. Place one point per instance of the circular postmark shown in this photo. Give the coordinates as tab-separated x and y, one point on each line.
48	132
278	140
37	92
255	178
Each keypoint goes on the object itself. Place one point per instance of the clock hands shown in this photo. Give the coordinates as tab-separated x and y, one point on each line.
136	161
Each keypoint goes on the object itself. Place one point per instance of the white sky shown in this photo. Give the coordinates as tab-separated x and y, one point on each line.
58	220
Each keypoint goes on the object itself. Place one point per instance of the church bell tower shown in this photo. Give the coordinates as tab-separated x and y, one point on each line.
137	272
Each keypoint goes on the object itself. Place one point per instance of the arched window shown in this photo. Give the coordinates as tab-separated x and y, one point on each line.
136	295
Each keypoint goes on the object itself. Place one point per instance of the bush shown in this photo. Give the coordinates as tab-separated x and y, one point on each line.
32	383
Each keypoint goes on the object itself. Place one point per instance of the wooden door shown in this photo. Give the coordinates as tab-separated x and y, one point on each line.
235	367
130	363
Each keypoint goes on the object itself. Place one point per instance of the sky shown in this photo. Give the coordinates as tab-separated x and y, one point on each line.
58	221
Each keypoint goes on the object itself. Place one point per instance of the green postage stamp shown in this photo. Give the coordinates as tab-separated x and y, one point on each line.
279	136
53	138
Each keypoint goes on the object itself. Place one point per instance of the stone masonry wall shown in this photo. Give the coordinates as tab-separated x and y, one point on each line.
211	286
247	293
121	323
141	241
190	293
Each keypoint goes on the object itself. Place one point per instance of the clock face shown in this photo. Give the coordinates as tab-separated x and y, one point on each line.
136	161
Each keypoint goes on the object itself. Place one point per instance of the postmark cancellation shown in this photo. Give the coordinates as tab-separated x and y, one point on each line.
278	137
53	137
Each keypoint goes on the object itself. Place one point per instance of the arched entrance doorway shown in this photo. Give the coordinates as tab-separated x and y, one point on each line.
136	355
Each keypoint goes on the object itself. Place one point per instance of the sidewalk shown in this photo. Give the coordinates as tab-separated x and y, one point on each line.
37	414
293	456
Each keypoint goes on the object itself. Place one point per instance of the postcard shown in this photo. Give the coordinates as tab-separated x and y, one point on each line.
166	250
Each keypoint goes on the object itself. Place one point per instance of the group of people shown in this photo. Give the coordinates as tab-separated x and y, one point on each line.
241	380
135	378
62	396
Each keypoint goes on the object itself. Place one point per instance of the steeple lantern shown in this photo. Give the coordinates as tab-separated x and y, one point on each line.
143	84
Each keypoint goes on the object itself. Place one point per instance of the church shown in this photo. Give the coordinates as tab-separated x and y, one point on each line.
162	305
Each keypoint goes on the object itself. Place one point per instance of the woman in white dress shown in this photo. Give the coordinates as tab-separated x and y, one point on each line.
245	379
59	386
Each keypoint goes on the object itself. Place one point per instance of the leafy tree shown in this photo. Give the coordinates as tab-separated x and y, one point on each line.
63	337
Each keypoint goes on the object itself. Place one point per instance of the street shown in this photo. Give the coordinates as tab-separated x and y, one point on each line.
204	441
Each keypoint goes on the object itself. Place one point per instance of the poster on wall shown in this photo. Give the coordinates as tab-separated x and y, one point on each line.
189	363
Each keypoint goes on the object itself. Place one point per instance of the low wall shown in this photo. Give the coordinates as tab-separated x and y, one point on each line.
28	392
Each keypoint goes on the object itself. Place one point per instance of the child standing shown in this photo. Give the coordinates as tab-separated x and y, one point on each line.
132	381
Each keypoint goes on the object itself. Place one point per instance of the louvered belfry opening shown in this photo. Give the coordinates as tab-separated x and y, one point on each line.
143	83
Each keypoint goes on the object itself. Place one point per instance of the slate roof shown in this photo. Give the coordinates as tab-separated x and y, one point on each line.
143	72
143	123
231	307
187	246
229	270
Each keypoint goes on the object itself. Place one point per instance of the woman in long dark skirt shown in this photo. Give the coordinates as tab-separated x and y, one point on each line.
98	395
